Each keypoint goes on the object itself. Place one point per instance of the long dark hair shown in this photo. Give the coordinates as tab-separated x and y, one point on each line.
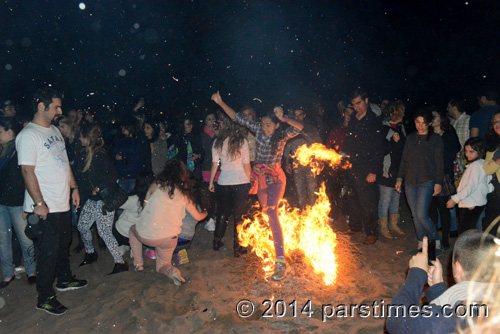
142	183
94	133
492	138
445	124
130	124
278	135
181	130
235	135
175	175
426	114
477	144
156	128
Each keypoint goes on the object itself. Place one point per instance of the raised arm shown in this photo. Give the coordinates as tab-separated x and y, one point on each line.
278	111
227	109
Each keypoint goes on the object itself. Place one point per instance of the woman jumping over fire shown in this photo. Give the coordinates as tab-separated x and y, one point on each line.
267	178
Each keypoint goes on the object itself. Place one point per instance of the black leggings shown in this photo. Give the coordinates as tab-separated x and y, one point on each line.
467	219
230	200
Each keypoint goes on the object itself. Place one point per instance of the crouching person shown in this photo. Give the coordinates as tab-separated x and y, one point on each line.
448	308
160	222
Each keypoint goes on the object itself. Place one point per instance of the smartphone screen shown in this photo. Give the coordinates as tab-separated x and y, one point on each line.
431	251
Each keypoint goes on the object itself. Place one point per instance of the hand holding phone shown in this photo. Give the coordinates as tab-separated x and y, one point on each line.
431	251
420	260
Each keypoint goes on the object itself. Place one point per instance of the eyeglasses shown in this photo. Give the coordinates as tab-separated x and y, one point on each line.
495	122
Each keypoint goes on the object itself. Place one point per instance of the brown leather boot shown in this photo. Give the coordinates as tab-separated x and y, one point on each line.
393	225
384	231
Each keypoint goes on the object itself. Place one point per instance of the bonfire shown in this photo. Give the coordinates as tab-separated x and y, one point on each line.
306	232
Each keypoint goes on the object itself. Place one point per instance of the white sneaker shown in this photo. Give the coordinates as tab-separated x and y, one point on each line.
210	225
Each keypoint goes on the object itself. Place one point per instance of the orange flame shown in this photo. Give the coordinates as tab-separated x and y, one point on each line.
314	155
307	231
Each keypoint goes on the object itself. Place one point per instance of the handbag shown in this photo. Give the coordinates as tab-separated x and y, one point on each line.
113	196
447	187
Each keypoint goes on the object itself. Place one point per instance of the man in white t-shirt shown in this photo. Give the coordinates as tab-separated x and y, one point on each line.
49	182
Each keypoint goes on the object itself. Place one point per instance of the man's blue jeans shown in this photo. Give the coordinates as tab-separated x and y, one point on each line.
419	198
11	217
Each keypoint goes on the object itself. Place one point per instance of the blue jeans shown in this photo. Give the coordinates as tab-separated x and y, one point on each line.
419	198
388	202
128	185
11	217
269	196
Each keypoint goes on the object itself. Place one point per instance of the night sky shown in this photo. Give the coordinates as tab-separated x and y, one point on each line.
177	53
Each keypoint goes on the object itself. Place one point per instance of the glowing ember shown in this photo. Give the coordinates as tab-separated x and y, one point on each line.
307	232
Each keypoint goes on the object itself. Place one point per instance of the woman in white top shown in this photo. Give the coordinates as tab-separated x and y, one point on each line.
160	223
231	148
474	186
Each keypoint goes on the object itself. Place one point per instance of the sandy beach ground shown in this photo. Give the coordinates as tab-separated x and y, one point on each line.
148	302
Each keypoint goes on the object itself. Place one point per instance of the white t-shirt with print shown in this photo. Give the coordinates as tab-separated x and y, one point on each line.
44	148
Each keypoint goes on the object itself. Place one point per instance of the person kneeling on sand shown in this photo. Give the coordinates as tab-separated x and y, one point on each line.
160	223
446	308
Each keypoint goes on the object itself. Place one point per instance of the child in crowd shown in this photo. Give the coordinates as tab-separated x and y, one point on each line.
160	222
474	186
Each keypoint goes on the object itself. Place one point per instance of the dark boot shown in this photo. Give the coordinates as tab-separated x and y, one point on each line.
89	258
217	244
220	230
119	267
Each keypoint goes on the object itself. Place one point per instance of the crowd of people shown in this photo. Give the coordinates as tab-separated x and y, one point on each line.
62	172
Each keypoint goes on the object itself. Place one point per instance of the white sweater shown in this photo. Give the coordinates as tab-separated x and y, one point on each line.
474	186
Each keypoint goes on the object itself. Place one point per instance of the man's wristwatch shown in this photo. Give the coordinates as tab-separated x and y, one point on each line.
40	203
74	188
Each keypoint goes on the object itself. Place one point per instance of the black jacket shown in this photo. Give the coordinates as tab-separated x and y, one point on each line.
364	145
451	146
12	184
101	174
